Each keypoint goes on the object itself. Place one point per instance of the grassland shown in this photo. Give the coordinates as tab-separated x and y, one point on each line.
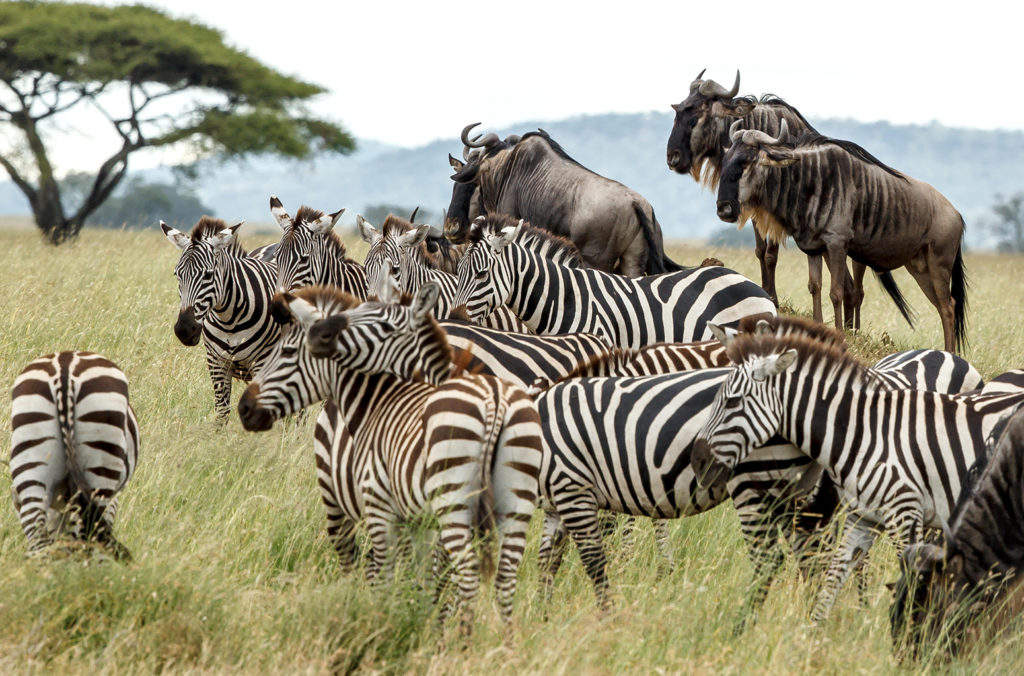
233	572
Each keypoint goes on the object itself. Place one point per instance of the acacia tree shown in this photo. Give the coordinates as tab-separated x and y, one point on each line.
158	81
1008	224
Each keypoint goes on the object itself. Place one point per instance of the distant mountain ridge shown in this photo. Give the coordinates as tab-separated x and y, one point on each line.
968	166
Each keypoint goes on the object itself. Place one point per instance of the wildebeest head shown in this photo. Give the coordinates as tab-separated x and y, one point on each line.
201	252
700	122
751	152
479	155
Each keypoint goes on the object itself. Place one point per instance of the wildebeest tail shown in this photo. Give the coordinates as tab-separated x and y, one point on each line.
891	288
959	292
657	261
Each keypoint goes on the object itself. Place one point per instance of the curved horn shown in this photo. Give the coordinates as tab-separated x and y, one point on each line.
756	138
713	89
412	219
734	130
697	80
486	141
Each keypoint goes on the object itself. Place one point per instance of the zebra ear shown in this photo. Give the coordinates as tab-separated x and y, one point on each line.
724	335
366	230
176	238
225	236
304	311
507	235
425	301
414	236
279	214
777	363
325	223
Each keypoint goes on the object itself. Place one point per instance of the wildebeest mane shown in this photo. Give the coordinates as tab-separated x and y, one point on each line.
773	100
555	147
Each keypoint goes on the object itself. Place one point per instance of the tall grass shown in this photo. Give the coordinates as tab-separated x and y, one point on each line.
233	572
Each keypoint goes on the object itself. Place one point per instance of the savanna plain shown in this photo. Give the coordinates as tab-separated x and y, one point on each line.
233	572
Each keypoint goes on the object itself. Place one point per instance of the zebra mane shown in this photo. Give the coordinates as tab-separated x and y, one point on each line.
601	364
792	324
208	226
547	244
308	215
395	226
812	354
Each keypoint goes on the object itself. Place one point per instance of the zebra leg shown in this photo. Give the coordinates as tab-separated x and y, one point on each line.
441	568
552	548
220	376
857	540
341	531
102	527
579	512
661	536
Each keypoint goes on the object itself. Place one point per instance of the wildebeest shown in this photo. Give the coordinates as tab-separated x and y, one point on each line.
835	198
533	178
978	570
697	145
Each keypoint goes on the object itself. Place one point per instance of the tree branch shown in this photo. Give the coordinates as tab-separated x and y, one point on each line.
19	180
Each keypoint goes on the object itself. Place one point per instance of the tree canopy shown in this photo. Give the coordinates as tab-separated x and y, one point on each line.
157	80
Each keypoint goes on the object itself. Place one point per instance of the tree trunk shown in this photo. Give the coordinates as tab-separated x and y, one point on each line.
49	213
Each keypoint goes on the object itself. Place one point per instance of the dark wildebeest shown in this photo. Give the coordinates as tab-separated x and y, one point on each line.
533	178
945	591
697	145
833	197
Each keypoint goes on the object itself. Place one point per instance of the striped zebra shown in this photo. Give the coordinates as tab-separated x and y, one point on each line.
899	458
399	253
467	449
225	300
947	588
74	445
310	252
541	279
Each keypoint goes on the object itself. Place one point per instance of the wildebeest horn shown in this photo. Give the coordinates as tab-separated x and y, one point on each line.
712	88
734	130
753	137
697	80
486	141
412	219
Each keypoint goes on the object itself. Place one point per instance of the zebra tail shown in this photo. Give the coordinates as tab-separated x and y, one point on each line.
495	412
891	288
959	293
65	398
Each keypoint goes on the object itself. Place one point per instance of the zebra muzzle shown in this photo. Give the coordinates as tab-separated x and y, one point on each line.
712	475
187	329
254	417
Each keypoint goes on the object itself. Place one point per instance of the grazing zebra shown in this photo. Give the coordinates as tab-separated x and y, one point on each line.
225	300
947	589
467	449
74	445
899	458
310	252
400	253
540	278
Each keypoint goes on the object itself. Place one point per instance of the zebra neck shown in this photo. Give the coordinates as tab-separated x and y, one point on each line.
242	283
545	294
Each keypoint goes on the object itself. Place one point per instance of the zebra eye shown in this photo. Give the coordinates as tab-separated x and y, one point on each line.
482	274
733	401
288	351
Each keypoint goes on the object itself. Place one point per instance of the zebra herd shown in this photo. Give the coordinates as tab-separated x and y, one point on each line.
479	382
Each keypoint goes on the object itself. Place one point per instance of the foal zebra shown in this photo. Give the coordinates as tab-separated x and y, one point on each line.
310	252
399	253
899	457
467	449
74	445
540	278
225	300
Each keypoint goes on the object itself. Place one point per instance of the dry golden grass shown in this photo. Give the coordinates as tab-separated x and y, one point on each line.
233	572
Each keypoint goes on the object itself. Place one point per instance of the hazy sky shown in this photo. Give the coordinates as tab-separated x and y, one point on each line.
407	73
411	72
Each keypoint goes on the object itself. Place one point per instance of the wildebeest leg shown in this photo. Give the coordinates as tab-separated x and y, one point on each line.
837	270
854	291
934	280
767	253
633	260
814	284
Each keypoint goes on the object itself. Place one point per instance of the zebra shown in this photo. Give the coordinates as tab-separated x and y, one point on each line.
466	449
978	566
540	278
899	459
225	300
74	445
310	252
399	253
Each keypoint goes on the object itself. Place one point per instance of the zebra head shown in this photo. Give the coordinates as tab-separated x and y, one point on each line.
292	378
303	252
383	259
396	335
412	268
485	276
926	598
200	271
746	413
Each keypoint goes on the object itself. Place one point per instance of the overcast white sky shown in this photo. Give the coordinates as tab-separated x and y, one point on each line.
411	72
